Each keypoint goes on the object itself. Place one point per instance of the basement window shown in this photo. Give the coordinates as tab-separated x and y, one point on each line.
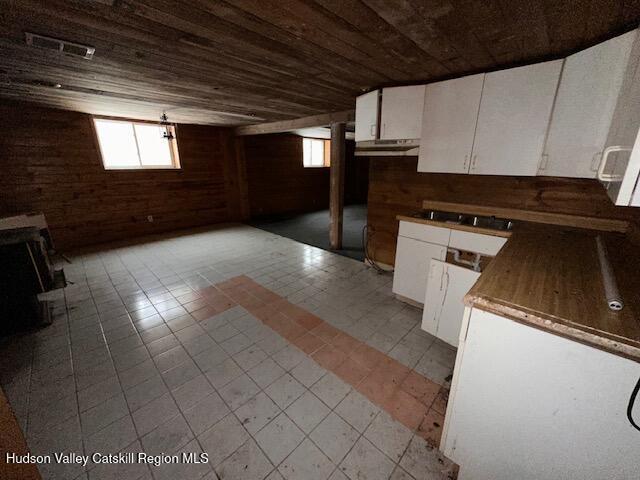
136	145
316	153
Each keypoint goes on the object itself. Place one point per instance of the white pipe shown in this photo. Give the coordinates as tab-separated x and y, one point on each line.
472	263
611	293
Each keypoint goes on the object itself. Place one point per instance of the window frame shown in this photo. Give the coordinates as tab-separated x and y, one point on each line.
326	162
173	144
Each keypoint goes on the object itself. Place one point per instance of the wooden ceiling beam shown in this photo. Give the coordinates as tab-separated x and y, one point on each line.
305	122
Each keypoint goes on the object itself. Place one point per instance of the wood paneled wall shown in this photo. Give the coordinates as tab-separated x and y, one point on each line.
395	187
279	184
50	162
277	181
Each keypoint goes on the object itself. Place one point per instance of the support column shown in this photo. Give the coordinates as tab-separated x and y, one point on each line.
336	185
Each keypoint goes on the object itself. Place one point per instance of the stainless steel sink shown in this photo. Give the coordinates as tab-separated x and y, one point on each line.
471	220
448	217
488	222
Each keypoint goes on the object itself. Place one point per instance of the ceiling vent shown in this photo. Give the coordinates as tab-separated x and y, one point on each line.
59	46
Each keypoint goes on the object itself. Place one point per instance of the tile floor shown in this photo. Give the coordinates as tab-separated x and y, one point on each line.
277	359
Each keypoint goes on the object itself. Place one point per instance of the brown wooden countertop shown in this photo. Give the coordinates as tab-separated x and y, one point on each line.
549	277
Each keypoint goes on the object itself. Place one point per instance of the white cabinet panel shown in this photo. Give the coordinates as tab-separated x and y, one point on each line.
521	395
367	116
586	99
624	132
459	282
402	112
514	115
443	307
412	267
476	242
425	233
449	124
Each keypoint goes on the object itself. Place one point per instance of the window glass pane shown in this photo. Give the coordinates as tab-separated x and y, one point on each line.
154	148
117	144
313	152
317	153
306	152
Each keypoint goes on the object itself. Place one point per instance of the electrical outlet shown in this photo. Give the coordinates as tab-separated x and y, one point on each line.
150	218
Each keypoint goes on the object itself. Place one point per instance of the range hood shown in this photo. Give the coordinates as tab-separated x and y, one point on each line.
389	148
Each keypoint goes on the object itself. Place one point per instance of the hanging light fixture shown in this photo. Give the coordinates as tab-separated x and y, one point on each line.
167	131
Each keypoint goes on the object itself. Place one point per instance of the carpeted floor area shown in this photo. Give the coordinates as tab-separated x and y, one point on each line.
313	229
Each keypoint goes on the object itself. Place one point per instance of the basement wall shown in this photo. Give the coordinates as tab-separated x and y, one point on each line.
279	184
396	187
50	163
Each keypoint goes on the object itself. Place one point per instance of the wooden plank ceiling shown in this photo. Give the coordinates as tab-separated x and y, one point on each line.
238	62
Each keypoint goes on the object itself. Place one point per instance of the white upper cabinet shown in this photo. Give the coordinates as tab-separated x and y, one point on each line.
367	116
449	124
620	166
401	112
586	99
512	122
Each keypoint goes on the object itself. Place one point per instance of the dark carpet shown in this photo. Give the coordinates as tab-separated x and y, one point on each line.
313	229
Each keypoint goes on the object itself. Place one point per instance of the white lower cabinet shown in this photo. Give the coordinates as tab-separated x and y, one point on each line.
412	267
530	405
476	242
447	284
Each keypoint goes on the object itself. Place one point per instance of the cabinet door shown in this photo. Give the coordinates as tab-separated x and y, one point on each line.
412	267
367	116
402	112
624	132
424	233
458	281
434	297
514	115
587	95
449	124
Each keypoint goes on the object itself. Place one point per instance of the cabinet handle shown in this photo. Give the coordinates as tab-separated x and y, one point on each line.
372	130
464	165
595	162
607	177
473	163
544	161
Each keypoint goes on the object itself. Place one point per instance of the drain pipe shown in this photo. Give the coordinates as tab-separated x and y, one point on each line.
475	263
611	292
